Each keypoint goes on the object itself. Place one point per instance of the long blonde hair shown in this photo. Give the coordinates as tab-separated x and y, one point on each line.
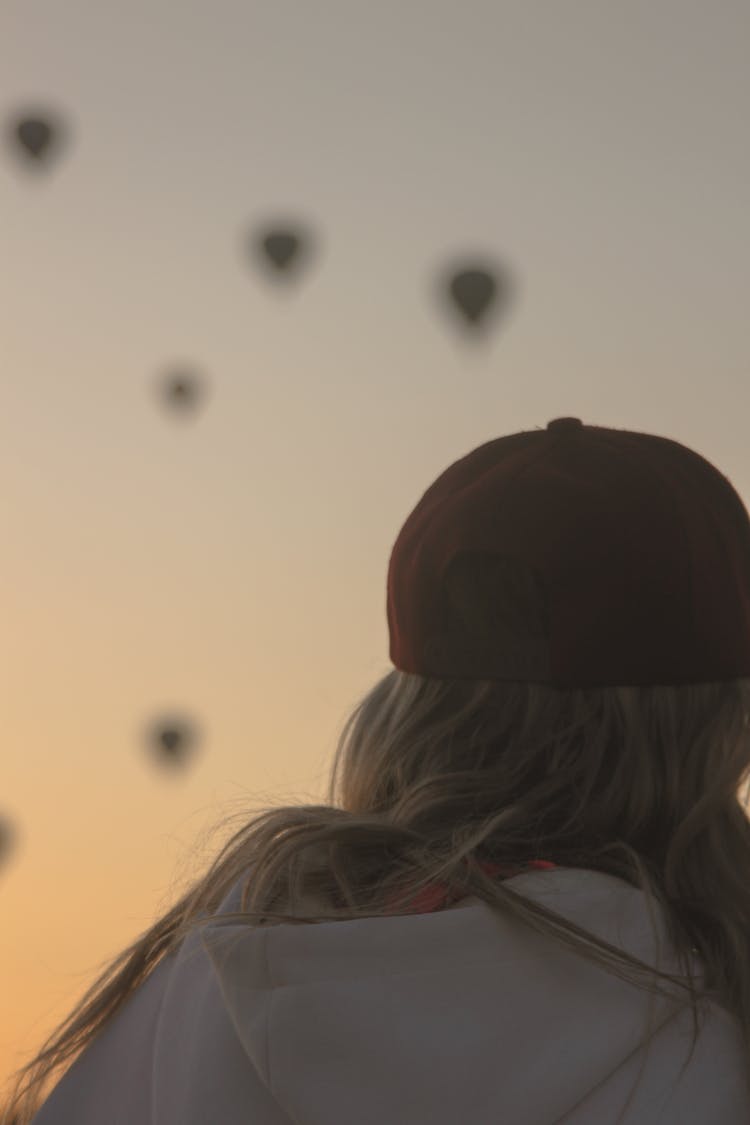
431	775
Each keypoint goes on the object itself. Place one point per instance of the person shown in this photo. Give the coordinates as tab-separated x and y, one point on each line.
527	899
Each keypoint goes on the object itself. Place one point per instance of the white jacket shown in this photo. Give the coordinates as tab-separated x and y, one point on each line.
459	1017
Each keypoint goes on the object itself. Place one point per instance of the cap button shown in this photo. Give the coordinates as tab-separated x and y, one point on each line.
565	424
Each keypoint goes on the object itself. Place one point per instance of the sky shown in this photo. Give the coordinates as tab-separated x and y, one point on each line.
230	562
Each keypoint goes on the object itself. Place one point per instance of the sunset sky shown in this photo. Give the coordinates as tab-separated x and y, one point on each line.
230	563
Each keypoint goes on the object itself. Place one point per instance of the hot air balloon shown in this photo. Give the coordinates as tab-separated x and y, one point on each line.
36	137
474	290
181	390
281	249
172	742
8	839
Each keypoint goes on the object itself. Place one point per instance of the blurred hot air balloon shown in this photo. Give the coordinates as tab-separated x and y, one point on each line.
281	249
474	290
36	137
171	742
182	390
8	839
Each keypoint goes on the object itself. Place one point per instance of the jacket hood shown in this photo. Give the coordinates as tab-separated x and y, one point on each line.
427	1019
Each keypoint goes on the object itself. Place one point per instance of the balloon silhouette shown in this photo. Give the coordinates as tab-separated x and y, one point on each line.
181	390
172	742
281	249
7	839
474	291
36	137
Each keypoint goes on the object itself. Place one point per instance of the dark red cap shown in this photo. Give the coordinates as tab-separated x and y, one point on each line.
597	557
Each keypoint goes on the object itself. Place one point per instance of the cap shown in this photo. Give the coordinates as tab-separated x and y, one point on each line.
576	556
